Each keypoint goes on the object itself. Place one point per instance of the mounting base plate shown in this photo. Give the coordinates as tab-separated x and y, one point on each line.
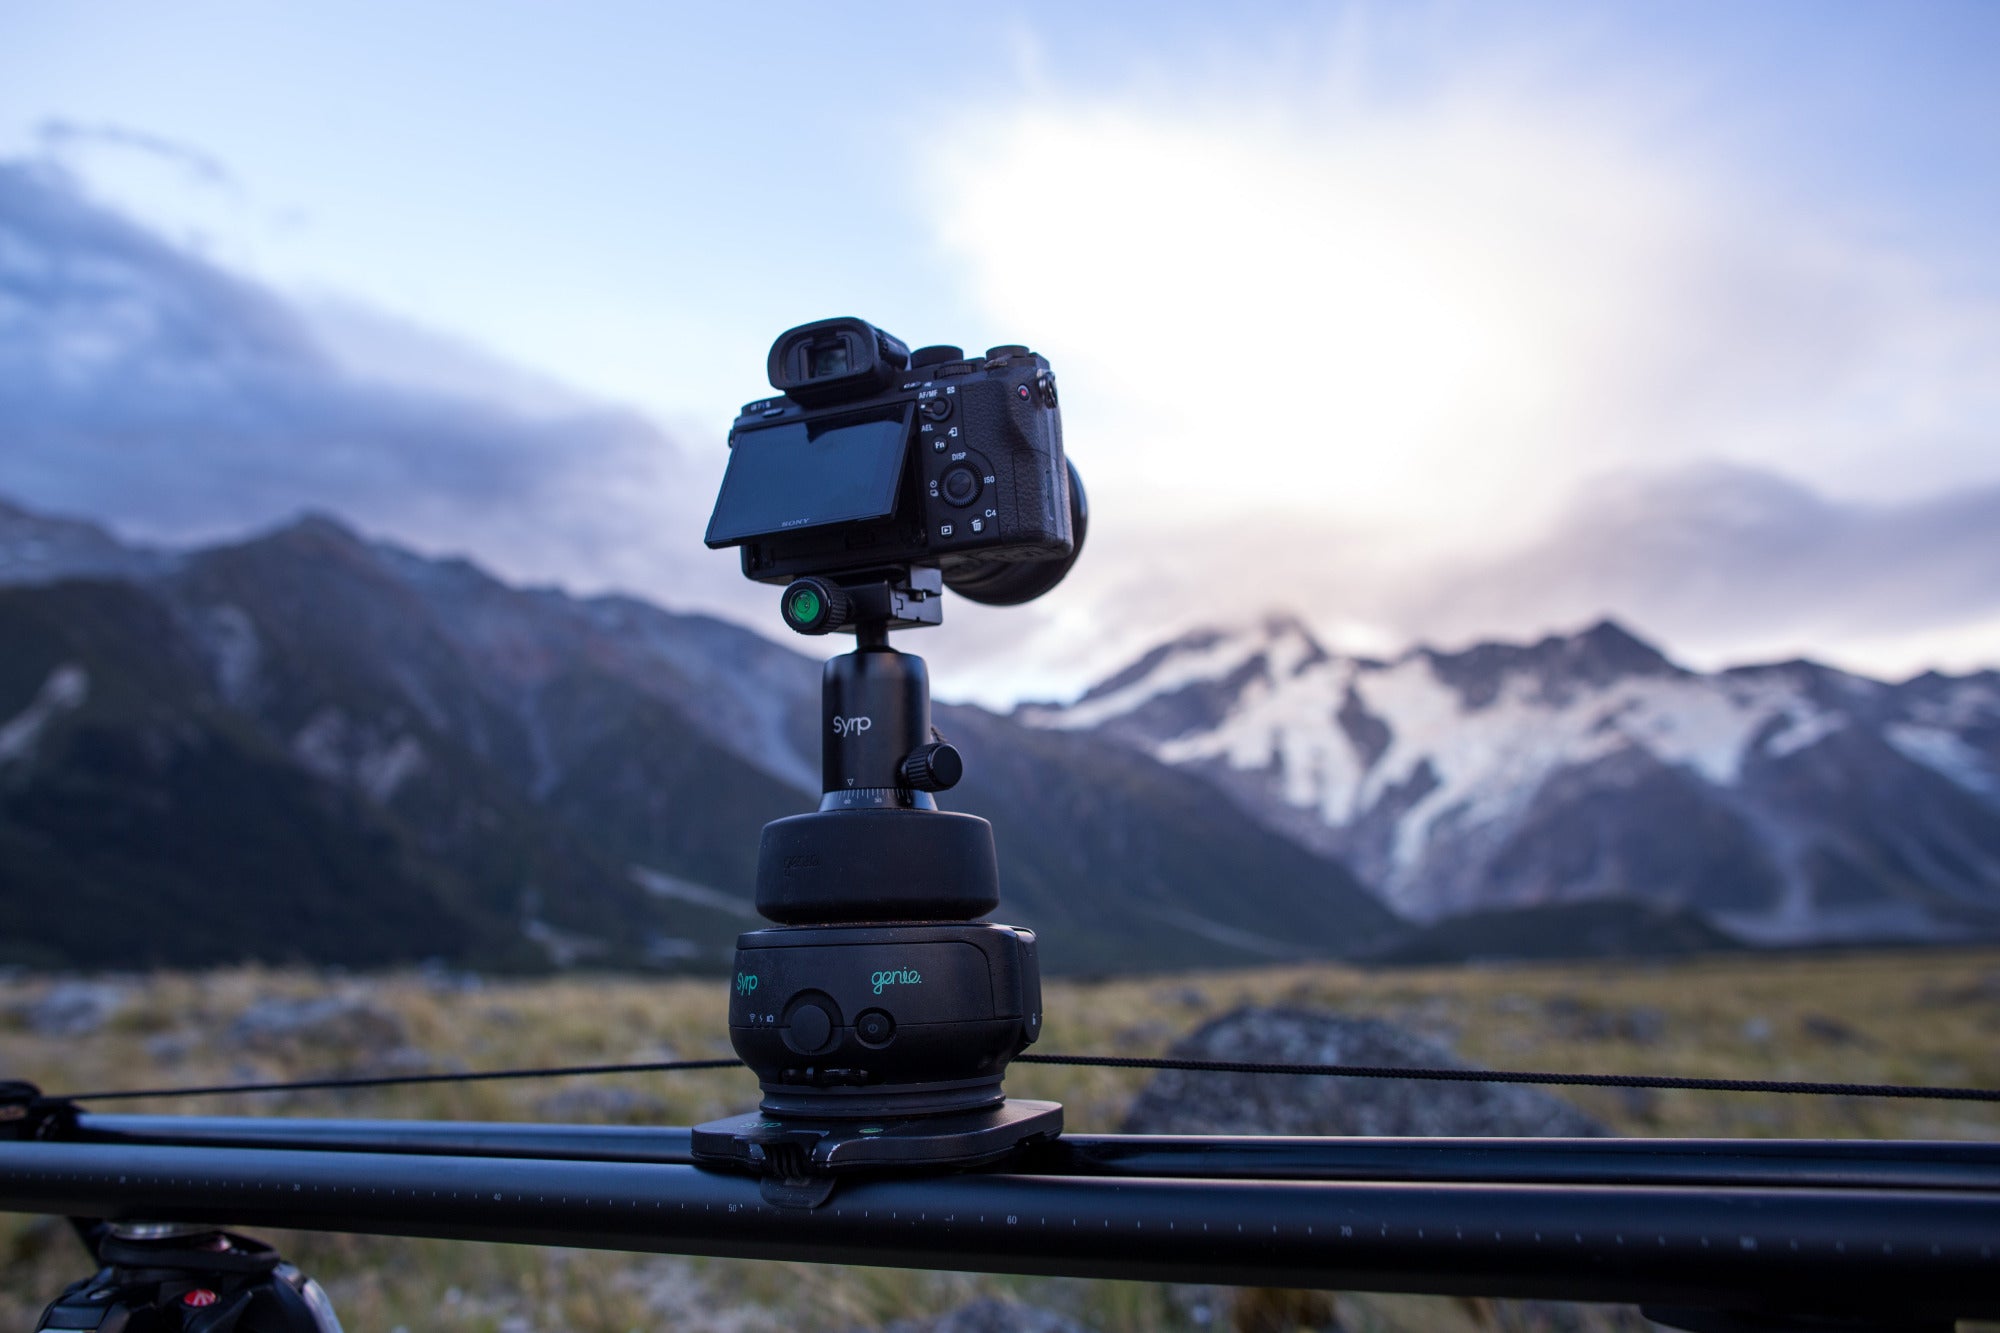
800	1154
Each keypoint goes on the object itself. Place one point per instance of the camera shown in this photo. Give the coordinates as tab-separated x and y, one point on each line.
876	458
879	1011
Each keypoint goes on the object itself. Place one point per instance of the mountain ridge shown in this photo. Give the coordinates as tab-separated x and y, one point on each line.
587	774
1571	767
424	760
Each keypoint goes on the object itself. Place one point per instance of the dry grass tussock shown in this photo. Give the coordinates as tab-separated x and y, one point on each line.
1883	1017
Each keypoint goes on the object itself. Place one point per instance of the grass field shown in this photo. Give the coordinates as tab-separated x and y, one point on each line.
1929	1017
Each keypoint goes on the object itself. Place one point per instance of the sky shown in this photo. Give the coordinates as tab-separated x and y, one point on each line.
1427	322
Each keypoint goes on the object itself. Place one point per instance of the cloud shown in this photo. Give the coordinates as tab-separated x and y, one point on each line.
1447	370
1722	561
60	138
1456	308
1487	357
142	384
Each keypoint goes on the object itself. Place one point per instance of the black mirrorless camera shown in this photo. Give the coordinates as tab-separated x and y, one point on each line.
880	1013
876	459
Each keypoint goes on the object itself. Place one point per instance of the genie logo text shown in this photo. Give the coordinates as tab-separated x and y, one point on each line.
901	976
851	726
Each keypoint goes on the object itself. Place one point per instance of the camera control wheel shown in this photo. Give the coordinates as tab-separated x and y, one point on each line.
961	485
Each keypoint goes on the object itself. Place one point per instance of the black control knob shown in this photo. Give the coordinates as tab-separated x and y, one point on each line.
1006	350
937	409
933	767
935	355
960	485
809	1028
814	606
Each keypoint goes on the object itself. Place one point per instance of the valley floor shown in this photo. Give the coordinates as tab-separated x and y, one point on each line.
1926	1017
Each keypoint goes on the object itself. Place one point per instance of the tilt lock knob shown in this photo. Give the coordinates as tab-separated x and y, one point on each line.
814	606
932	767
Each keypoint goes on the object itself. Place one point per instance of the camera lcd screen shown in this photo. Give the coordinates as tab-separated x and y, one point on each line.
806	474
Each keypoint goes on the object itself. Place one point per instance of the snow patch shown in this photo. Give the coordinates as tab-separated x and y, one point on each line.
565	948
234	651
335	750
64	691
662	885
382	772
1288	651
1189	667
1945	752
1802	732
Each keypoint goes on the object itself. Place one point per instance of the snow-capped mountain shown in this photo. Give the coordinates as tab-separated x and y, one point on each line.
1789	802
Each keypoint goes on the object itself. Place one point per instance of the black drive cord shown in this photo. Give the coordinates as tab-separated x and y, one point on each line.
1765	1085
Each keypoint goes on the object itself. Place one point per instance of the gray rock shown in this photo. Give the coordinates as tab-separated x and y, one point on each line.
989	1315
75	1008
1178	1102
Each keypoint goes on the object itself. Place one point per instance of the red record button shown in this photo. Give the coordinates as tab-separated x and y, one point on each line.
199	1297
